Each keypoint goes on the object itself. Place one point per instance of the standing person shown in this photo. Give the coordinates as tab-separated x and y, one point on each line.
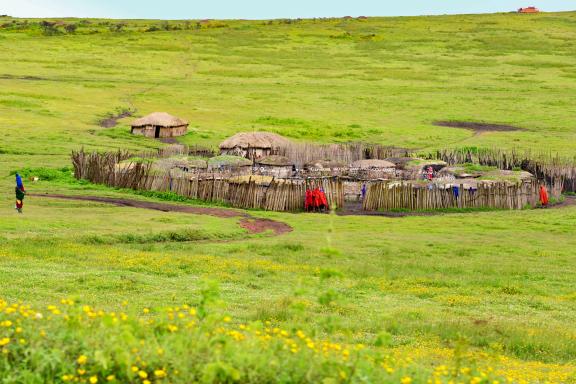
20	193
430	173
543	196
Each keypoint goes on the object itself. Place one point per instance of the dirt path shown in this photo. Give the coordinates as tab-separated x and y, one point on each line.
251	224
568	201
112	120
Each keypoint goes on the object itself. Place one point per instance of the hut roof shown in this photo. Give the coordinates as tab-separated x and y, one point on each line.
230	161
373	163
327	164
258	179
254	140
161	119
275	160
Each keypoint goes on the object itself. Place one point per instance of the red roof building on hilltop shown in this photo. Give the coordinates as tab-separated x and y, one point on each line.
528	10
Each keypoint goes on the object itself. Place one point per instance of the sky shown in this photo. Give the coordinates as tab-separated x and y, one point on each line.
264	9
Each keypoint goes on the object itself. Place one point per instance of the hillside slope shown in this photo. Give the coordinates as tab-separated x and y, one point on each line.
382	80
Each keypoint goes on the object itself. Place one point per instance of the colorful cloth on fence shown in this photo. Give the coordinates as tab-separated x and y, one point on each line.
315	199
543	195
456	191
308	201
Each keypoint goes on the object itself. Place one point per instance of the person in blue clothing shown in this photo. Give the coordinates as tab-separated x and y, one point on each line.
20	193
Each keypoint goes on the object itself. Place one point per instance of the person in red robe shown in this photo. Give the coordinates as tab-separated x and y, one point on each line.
543	196
308	201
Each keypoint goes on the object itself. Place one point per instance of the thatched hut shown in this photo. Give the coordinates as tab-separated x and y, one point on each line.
159	125
181	163
373	169
230	163
326	168
253	145
274	165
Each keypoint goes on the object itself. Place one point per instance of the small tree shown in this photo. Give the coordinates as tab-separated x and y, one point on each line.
48	28
119	27
71	28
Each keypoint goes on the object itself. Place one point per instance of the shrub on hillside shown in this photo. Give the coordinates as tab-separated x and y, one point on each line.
71	28
49	28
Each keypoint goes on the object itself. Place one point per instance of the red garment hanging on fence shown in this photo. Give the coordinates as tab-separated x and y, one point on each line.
315	199
323	199
543	196
309	200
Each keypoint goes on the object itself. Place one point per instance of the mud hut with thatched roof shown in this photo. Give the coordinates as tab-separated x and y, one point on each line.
159	125
274	165
373	169
237	164
253	145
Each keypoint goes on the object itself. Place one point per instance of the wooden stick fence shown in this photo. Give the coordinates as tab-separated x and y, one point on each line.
278	195
559	172
289	194
387	196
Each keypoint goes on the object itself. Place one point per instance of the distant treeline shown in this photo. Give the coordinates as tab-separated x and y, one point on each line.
53	27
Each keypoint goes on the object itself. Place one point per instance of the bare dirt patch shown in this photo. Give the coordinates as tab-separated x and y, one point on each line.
262	225
478	127
251	224
112	121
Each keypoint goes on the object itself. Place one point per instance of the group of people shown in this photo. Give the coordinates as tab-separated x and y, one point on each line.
315	200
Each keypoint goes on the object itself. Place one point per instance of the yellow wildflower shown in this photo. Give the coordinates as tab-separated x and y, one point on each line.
110	378
160	373
406	380
82	359
4	341
93	380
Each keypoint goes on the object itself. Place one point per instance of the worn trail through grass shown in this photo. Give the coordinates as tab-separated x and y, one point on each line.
251	224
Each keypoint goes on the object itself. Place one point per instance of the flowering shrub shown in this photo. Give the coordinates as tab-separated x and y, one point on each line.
73	343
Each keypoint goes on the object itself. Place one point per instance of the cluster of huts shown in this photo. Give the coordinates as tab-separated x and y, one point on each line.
264	154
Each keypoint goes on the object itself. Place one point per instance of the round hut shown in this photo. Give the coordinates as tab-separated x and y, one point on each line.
325	168
253	145
230	163
373	169
274	165
159	125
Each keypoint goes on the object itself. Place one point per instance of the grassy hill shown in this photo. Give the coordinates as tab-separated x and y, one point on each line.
482	297
382	80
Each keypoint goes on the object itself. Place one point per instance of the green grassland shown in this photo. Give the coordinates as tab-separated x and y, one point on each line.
477	297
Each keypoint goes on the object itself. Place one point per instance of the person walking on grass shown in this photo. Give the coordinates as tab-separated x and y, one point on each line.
20	193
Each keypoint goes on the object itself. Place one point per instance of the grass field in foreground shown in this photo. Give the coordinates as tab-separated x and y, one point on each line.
476	298
491	292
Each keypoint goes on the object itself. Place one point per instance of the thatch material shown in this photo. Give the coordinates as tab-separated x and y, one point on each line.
263	140
325	164
228	161
159	119
275	161
373	164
